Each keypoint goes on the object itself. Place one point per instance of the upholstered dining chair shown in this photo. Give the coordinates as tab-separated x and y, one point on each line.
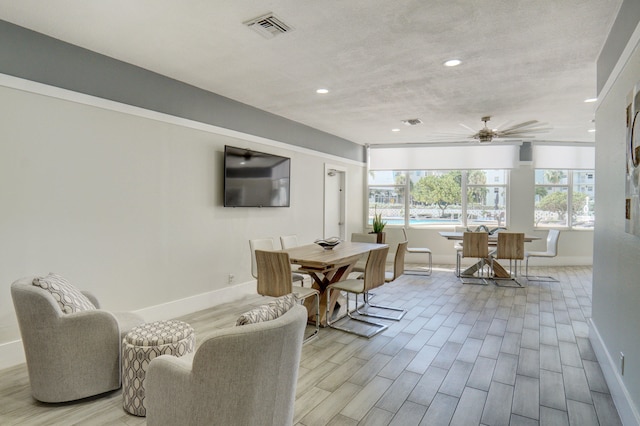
267	244
373	277
475	245
243	375
419	250
72	347
274	279
511	247
552	251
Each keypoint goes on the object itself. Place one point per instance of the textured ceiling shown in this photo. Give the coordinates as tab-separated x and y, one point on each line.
381	60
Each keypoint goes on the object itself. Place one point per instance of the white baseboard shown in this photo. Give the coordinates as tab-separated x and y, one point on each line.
627	411
538	261
12	353
180	307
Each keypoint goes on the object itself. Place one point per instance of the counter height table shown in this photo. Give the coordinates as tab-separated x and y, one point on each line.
498	270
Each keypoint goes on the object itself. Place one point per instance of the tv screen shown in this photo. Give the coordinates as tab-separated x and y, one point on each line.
255	179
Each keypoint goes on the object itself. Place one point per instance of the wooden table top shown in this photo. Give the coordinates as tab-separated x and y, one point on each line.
312	256
458	236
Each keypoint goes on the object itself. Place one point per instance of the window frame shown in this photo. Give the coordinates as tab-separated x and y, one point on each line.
569	185
464	187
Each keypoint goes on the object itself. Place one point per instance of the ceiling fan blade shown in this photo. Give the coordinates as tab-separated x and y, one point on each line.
521	125
524	131
467	127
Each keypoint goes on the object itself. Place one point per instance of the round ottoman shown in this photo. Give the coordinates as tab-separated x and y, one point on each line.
142	344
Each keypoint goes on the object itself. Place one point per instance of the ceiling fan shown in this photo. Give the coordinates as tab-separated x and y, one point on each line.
521	130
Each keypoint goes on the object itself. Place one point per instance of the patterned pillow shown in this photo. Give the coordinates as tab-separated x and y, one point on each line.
268	312
69	298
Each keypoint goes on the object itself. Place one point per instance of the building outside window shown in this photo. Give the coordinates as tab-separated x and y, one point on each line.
564	198
435	197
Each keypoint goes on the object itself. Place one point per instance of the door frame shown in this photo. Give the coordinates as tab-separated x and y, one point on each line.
342	171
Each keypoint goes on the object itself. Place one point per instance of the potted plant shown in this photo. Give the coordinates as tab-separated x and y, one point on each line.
378	226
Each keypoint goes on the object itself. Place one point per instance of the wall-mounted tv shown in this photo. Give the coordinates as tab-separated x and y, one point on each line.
255	179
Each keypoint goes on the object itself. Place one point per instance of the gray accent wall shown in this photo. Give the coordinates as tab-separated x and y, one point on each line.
37	57
624	25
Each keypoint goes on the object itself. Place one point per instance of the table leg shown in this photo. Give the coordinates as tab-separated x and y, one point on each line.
321	283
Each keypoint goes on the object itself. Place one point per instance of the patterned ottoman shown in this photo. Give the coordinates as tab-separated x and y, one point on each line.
142	344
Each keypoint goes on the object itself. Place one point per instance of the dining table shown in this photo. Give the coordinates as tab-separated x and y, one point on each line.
498	270
327	266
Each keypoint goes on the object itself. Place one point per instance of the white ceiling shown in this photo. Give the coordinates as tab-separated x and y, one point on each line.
381	60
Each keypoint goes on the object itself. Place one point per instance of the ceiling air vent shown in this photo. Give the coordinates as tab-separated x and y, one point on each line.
412	121
268	26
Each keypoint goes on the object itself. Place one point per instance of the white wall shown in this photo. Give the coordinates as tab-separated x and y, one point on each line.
130	208
616	269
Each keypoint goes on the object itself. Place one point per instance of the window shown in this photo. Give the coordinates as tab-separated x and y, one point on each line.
435	197
564	198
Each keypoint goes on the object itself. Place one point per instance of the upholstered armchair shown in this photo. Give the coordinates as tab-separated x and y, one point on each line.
243	375
73	354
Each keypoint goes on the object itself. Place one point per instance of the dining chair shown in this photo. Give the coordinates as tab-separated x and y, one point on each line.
511	247
274	279
266	244
457	246
475	245
373	277
358	237
291	241
420	250
552	251
389	276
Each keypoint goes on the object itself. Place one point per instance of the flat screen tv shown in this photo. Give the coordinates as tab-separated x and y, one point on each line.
255	179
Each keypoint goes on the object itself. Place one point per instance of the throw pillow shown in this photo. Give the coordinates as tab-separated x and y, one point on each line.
268	312
69	298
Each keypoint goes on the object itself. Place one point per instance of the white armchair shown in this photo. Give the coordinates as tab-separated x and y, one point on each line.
69	355
243	375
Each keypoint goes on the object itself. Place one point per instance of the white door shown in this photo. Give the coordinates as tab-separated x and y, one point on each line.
334	202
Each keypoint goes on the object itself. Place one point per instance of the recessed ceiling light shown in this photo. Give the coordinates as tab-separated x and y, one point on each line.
322	91
452	63
591	130
590	100
395	130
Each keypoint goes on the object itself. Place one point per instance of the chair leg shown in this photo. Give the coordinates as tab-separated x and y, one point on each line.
426	273
377	327
469	279
317	330
545	278
513	278
367	296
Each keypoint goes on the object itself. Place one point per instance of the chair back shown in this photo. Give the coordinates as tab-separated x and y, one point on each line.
289	241
274	273
375	268
552	241
357	237
259	244
229	382
510	245
398	261
475	244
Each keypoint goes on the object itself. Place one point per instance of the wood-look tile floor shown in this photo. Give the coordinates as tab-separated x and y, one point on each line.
463	355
